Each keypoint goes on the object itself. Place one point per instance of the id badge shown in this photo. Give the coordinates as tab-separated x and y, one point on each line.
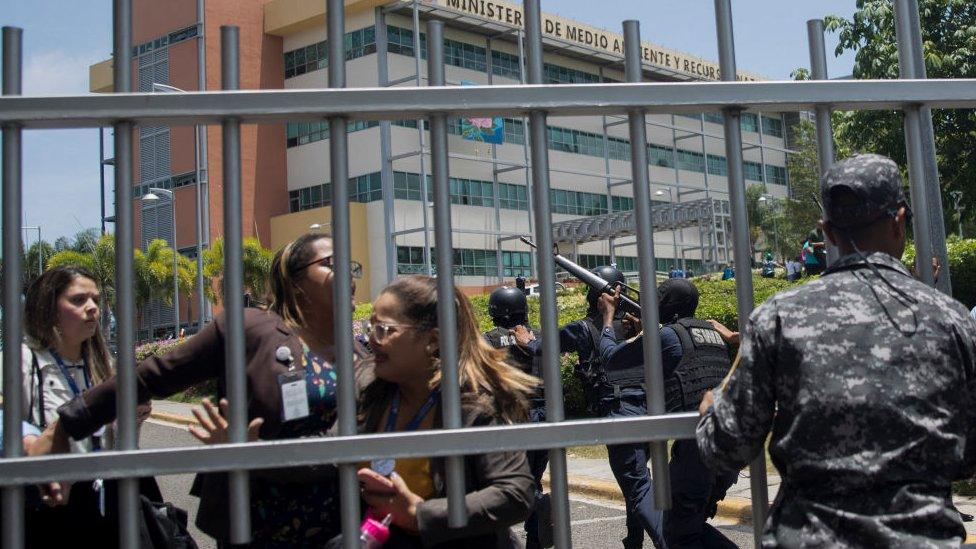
294	395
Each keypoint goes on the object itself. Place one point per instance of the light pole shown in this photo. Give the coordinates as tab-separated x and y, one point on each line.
674	224
958	206
768	199
40	251
154	195
200	152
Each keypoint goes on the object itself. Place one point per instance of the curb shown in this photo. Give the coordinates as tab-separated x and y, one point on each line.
737	510
173	418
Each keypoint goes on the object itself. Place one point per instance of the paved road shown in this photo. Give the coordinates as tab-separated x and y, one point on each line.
596	524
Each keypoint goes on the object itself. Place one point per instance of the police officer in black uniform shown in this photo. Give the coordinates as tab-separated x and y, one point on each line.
509	308
619	393
696	359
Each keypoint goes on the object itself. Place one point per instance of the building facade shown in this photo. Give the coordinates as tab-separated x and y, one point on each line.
286	169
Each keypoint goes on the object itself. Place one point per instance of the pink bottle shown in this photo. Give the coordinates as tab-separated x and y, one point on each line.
374	533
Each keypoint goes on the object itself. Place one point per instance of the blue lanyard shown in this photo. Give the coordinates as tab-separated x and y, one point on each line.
417	418
67	375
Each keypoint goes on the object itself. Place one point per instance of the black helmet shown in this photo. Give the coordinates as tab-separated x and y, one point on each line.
677	298
508	307
608	273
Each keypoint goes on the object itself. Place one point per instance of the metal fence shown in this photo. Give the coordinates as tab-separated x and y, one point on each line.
233	107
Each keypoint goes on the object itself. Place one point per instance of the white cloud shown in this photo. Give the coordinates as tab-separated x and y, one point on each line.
58	72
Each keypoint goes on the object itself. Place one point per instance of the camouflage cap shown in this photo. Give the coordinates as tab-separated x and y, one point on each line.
874	179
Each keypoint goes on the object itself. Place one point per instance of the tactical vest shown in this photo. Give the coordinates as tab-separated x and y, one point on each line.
596	378
522	359
704	364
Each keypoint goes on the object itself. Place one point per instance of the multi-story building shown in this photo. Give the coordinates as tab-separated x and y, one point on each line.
286	169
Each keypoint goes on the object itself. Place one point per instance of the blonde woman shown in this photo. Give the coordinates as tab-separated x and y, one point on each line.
401	392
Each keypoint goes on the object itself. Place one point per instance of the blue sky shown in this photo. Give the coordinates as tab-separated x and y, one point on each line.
63	37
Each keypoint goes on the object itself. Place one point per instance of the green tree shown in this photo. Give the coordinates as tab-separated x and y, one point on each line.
35	260
949	43
256	264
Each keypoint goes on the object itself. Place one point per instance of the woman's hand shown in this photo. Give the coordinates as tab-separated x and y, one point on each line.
143	411
213	427
390	496
730	337
52	441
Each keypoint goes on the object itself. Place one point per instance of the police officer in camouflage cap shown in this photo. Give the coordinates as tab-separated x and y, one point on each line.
866	378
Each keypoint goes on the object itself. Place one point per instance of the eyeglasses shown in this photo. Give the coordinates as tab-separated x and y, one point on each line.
380	331
356	268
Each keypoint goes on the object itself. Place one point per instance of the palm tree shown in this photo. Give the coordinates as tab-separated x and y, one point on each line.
256	264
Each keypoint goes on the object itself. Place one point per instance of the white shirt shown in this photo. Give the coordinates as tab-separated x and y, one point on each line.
55	389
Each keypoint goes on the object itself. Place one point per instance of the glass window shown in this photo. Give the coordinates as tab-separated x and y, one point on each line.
505	64
717	165
772	126
753	170
749	122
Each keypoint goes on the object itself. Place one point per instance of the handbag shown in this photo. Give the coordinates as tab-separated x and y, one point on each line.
163	525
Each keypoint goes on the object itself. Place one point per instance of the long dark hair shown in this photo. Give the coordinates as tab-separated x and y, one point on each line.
41	314
283	298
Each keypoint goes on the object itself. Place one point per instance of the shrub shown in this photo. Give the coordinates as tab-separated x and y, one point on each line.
962	267
193	394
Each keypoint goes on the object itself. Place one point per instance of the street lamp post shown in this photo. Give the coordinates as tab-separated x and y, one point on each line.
769	199
674	224
40	251
200	152
958	206
153	195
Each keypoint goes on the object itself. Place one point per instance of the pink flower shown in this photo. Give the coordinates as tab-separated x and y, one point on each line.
482	122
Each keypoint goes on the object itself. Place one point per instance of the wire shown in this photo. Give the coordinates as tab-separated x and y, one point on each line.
908	299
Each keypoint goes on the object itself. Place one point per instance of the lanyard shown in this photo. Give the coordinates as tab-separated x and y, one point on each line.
417	418
67	375
73	385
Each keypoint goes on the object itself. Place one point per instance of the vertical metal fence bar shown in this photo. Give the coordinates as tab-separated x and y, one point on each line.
930	166
547	276
200	163
239	487
13	496
653	363
529	201
342	278
740	232
127	434
424	186
446	311
499	268
825	132
386	148
913	144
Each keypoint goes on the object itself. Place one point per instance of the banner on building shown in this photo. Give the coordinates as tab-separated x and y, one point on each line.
485	130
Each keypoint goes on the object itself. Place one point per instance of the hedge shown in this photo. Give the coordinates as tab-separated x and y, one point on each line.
962	267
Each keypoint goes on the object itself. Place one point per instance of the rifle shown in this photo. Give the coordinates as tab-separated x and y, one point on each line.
628	303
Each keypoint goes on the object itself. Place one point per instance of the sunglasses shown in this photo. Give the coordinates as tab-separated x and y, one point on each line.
355	267
380	331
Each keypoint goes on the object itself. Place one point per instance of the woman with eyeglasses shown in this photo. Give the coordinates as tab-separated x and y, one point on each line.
290	357
400	391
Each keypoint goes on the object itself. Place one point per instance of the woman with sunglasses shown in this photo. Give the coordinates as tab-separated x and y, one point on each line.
290	351
400	391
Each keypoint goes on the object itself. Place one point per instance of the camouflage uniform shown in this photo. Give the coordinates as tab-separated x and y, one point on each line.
869	394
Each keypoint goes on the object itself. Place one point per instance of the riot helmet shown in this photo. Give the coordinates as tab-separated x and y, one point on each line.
508	307
611	275
677	298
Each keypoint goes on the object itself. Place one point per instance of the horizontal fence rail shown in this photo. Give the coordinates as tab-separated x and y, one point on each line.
347	449
405	103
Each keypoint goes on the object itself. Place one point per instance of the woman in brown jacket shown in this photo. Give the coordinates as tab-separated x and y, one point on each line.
298	506
401	393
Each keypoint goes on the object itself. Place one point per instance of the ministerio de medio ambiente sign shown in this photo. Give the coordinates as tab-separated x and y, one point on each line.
599	39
